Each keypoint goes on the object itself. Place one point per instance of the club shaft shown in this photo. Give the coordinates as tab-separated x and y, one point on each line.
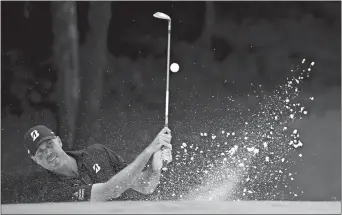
168	75
164	168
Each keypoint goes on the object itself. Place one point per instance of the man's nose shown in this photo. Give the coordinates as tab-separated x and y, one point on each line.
48	151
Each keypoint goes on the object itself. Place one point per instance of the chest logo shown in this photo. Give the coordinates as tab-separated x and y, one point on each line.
96	168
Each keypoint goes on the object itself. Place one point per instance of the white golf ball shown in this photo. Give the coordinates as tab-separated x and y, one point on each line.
174	67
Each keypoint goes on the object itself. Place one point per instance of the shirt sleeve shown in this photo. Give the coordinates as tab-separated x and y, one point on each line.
116	161
64	192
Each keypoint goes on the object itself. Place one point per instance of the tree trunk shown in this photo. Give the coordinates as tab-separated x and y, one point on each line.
93	55
67	64
209	22
205	55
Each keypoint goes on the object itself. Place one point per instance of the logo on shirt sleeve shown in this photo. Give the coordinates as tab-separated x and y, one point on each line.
96	168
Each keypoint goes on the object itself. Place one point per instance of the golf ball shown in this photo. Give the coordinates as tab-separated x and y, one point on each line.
174	67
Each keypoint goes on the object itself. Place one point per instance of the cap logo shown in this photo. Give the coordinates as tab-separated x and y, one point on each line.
34	135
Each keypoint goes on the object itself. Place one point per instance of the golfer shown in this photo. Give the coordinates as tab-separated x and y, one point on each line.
95	173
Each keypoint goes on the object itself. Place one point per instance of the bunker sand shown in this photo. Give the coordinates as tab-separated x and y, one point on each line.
174	207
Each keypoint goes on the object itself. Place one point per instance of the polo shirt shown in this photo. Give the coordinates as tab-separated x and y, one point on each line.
96	164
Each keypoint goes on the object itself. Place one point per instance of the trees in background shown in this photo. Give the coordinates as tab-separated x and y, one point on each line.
80	69
93	58
66	62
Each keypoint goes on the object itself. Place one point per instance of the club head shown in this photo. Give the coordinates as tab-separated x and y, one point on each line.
160	15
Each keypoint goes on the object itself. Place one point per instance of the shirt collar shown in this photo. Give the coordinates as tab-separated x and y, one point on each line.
76	154
79	156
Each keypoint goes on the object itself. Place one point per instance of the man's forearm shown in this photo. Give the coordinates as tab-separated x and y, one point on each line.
148	181
123	180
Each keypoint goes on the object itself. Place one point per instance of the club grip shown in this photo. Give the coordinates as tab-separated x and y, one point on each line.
164	167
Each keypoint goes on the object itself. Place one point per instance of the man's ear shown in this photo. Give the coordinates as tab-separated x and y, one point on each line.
59	141
34	159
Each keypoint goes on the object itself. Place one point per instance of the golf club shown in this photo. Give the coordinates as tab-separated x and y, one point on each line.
160	15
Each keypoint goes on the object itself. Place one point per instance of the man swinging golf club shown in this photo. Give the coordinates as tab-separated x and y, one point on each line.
95	173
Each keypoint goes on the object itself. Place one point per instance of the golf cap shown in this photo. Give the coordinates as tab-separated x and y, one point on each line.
35	136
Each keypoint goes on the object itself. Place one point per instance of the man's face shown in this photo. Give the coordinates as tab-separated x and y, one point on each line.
50	154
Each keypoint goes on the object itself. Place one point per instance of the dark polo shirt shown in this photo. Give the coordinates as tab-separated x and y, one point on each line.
96	164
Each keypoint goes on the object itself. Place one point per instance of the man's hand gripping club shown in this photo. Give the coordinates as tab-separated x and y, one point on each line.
128	177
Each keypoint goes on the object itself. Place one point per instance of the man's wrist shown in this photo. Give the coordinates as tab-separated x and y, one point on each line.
155	171
152	170
148	152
